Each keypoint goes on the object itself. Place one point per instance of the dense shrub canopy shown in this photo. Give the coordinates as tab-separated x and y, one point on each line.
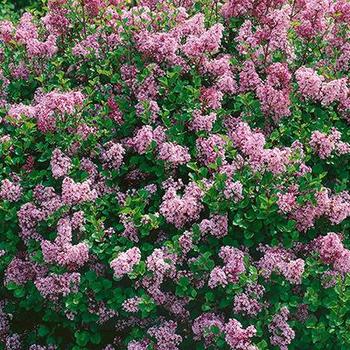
174	175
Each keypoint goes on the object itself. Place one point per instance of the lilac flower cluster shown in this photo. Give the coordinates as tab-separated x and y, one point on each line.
124	262
180	210
233	267
62	251
281	333
282	261
332	251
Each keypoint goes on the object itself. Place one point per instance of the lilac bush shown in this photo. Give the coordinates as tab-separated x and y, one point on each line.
174	175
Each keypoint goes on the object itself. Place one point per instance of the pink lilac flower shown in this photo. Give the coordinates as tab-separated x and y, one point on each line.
165	336
233	190
332	251
93	7
56	21
219	66
115	113
159	135
60	164
203	324
85	130
54	286
29	215
4	320
282	261
160	46
62	251
193	25
186	242
20	71
124	262
274	102
66	254
286	202
302	313
229	169
293	270
7	31
211	97
132	304
237	337
13	342
202	122
342	148
89	166
16	111
246	305
138	345
233	8
130	231
322	144
47	106
103	312
176	306
305	215
217	278
255	290
246	39
113	155
344	58
312	18
227	84
330	247
149	108
148	89
174	154
180	210
89	45
281	333
36	48
21	271
48	200
210	149
278	75
277	159
161	263
217	226
330	278
249	142
75	193
62	102
276	30
341	11
338	207
310	83
342	263
78	220
233	267
248	77
208	42
234	262
26	29
42	347
5	139
334	91
10	191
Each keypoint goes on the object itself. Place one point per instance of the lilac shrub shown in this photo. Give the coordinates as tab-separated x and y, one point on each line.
175	175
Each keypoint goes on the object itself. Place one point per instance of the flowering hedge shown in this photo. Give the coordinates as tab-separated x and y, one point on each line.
174	175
